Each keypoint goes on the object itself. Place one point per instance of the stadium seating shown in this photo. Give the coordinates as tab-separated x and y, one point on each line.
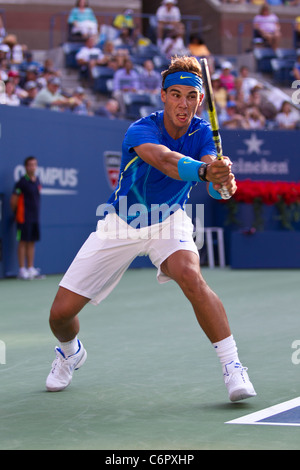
282	53
134	101
70	50
144	53
102	75
263	56
282	71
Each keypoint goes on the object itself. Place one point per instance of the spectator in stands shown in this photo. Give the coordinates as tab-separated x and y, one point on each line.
197	46
150	79
82	21
3	68
113	55
16	49
296	68
125	20
244	83
168	16
231	119
125	80
79	104
220	93
29	62
46	74
31	89
287	118
4	52
88	57
254	118
257	99
11	98
227	79
31	74
49	69
125	40
109	110
14	76
267	27
51	98
174	44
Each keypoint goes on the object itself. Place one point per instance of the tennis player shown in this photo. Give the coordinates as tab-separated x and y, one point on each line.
164	155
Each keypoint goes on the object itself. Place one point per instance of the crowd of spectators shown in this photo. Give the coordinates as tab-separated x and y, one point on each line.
241	101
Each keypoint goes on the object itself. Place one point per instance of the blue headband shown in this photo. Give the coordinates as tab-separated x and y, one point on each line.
183	78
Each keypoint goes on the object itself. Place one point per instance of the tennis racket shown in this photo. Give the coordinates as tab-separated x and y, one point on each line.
213	117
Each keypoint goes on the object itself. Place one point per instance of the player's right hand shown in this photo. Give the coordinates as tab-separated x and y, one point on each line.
218	171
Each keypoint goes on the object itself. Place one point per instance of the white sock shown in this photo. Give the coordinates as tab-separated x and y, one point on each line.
70	347
226	350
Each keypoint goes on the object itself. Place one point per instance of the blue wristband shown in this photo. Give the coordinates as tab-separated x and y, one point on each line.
188	169
213	192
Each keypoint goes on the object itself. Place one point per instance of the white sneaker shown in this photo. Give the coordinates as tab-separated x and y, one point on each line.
63	368
237	382
23	274
34	273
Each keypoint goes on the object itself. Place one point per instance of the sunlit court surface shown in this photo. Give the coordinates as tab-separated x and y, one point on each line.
152	380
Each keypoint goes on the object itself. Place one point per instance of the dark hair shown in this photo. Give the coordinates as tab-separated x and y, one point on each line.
264	7
29	159
182	64
86	3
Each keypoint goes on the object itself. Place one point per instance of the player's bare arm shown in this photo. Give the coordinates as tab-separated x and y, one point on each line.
166	161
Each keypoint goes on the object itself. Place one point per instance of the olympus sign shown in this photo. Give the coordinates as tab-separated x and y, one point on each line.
55	181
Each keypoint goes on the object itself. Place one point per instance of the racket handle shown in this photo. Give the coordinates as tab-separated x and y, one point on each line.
224	193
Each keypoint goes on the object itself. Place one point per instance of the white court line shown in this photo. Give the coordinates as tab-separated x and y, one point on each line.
254	418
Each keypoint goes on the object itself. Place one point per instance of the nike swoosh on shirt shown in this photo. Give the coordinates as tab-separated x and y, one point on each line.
194	132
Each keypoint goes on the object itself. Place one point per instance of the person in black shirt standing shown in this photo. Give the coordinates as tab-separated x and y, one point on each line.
25	203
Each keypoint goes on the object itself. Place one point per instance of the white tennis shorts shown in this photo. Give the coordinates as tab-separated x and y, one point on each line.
109	251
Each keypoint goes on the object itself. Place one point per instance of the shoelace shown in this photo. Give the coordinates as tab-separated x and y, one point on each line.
237	368
58	361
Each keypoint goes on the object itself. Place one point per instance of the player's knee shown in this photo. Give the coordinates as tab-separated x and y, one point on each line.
57	314
190	279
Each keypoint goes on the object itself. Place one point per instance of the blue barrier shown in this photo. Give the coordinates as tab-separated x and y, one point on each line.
78	165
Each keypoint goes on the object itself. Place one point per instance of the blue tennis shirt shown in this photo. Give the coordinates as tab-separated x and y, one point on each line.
149	192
